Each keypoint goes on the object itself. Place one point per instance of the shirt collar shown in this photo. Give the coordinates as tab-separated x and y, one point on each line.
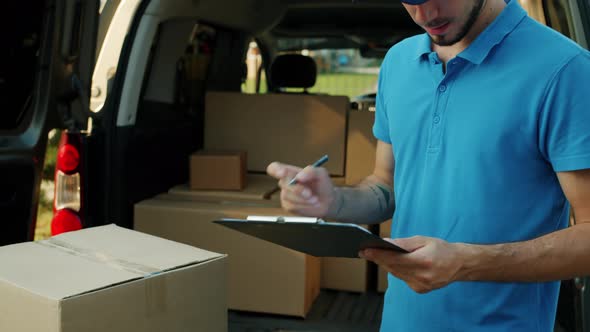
477	51
424	46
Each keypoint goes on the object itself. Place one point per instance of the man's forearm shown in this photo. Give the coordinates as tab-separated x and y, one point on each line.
368	203
557	256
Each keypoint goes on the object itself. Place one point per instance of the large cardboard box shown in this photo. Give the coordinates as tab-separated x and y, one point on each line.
292	128
218	170
111	279
360	147
347	274
384	232
262	276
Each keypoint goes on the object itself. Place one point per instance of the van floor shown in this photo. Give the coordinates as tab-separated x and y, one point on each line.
332	311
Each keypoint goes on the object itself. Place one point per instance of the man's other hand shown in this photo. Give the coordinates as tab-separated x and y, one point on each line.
431	264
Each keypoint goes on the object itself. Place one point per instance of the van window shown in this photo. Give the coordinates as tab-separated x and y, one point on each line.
341	70
344	72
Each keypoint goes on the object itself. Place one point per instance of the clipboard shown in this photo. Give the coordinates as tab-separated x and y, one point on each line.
312	236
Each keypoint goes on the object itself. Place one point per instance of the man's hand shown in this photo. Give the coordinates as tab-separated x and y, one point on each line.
313	193
431	263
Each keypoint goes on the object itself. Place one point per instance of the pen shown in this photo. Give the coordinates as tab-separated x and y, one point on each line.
318	163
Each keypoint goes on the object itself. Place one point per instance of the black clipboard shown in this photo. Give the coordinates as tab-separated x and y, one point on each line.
311	236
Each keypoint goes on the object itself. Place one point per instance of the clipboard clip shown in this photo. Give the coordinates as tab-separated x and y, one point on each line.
286	219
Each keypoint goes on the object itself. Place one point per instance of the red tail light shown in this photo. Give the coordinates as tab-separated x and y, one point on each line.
67	202
68	158
65	221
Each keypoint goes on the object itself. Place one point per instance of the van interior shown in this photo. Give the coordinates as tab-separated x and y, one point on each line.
157	112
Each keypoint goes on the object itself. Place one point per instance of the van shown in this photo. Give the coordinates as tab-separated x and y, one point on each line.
128	83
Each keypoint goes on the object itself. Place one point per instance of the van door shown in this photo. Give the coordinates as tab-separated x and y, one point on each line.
47	56
578	18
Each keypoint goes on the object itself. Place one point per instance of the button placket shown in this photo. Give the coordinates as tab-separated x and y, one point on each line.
437	116
441	95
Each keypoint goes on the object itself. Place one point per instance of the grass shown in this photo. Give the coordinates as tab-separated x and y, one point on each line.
45	208
345	84
43	228
337	84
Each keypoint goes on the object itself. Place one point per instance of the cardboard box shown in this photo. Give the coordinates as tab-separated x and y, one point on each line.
256	186
111	279
385	229
292	128
361	146
218	170
262	277
384	232
347	274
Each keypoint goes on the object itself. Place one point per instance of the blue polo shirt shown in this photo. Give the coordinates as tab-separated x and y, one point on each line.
476	154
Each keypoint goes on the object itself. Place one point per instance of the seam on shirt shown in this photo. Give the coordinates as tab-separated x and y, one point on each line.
552	81
585	155
580	162
379	136
381	131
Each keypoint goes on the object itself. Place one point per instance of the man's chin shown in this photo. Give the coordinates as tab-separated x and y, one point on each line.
443	40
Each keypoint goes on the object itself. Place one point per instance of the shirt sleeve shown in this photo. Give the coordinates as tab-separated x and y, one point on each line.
564	119
381	125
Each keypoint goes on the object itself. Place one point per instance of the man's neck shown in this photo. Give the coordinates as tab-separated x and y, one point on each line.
489	12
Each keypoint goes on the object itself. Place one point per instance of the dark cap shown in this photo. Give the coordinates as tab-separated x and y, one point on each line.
414	2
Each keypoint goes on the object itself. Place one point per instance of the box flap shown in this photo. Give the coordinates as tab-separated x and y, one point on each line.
133	249
36	268
256	186
94	258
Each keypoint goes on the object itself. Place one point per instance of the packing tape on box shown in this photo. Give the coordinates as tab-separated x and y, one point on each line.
100	257
155	288
156	294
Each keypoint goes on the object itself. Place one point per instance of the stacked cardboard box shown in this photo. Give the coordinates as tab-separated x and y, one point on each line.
218	170
316	125
352	274
262	277
292	128
111	279
348	274
360	146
